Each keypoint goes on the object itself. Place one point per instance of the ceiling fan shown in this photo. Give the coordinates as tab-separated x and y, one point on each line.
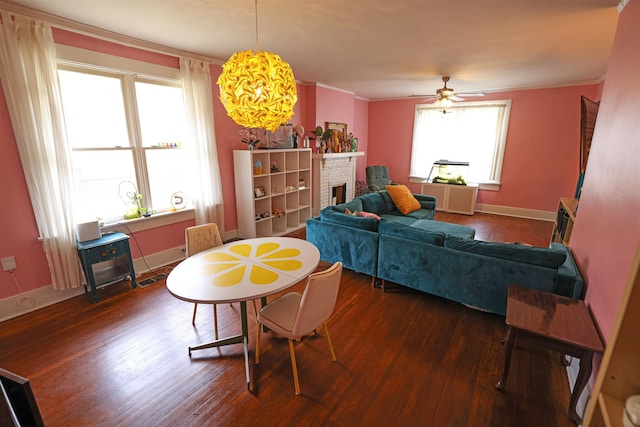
445	96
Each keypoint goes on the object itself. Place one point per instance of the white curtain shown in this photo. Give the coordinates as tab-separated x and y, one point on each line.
198	98
29	78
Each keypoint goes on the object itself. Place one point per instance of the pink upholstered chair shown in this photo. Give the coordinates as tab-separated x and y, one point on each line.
197	239
294	315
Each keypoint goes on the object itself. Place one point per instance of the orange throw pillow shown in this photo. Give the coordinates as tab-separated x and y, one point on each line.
403	198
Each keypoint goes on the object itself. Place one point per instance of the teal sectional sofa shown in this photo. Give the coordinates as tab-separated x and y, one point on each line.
435	257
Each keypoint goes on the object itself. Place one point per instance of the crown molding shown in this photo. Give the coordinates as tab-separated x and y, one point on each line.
99	33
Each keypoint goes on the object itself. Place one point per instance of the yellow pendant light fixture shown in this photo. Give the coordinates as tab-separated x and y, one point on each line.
257	88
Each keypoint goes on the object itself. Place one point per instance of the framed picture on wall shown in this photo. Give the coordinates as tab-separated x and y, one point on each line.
340	128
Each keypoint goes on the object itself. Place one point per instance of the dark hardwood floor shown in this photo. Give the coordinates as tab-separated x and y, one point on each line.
404	358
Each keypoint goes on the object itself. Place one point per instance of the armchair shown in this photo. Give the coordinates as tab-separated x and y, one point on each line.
377	177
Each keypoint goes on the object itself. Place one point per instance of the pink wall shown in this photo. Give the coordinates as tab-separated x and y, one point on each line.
332	105
85	42
360	130
307	92
390	136
18	231
607	228
542	152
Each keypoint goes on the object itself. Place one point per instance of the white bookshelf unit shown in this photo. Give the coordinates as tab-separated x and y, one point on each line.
286	203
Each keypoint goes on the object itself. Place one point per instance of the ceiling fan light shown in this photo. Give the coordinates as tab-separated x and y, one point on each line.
258	89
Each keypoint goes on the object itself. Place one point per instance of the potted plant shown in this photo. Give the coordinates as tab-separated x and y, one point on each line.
322	138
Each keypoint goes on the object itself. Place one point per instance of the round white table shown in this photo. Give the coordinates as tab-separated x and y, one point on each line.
240	271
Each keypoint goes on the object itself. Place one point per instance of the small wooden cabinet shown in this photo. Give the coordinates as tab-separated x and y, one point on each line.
106	260
619	374
452	198
566	216
274	198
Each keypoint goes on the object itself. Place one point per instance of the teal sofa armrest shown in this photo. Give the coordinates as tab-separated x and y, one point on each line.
570	282
356	248
328	215
426	202
543	257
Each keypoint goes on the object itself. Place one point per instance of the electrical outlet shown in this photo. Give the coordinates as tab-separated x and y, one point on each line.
8	264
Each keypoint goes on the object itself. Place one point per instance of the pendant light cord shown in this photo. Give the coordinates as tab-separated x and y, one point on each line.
256	6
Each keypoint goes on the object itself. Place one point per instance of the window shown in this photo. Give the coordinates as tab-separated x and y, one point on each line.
126	135
473	132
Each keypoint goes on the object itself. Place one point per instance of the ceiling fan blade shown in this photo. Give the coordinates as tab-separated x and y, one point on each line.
422	96
471	94
455	98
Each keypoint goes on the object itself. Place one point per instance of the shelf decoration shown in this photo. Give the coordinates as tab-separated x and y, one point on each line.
249	137
257	167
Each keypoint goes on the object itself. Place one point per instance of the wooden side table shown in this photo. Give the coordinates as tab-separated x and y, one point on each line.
560	323
108	247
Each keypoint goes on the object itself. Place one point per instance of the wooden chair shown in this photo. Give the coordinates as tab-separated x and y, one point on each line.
197	239
294	315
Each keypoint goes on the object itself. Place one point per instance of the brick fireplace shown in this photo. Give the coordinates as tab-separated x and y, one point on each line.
334	179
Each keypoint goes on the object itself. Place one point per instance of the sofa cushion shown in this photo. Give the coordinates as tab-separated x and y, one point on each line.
509	251
334	217
457	230
421	214
398	218
354	205
403	198
399	230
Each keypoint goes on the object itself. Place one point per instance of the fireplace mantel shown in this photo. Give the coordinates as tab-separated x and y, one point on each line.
337	155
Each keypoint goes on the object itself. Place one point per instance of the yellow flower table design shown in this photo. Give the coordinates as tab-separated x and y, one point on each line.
242	271
263	263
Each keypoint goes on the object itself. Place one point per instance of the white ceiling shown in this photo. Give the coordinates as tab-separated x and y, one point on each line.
379	48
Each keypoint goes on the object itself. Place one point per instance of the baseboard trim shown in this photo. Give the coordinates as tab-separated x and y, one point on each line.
157	260
33	300
517	212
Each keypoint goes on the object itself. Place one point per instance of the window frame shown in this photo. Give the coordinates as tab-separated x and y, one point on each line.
499	146
129	72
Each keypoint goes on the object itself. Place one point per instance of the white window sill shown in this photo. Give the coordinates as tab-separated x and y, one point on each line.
147	223
489	186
